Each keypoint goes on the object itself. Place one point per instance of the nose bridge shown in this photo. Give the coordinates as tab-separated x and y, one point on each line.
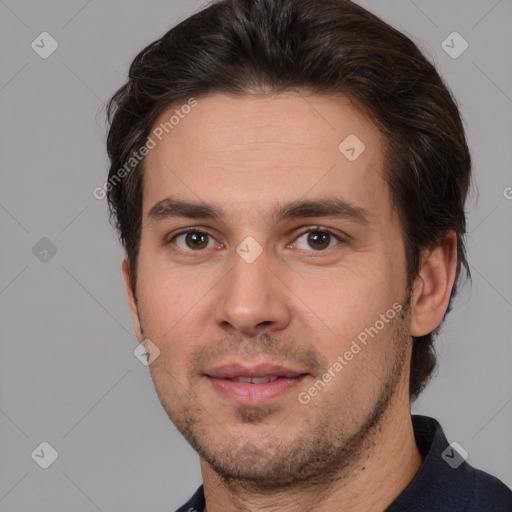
252	295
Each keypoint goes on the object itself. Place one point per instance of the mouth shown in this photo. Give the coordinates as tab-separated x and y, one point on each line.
256	380
253	385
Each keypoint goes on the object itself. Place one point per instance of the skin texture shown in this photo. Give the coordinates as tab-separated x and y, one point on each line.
351	447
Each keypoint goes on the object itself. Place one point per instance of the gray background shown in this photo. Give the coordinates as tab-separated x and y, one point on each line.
68	375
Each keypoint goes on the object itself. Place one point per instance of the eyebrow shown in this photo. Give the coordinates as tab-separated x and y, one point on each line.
328	207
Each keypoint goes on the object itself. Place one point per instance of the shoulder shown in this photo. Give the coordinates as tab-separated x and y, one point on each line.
489	493
446	482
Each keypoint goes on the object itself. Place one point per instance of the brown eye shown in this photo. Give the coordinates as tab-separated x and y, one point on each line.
317	239
191	240
196	240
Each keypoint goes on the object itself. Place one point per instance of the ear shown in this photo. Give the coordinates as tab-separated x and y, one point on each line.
132	300
433	286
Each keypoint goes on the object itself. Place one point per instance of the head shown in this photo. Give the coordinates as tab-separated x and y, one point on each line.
242	119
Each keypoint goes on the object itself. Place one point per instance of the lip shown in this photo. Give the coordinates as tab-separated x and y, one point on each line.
234	370
248	394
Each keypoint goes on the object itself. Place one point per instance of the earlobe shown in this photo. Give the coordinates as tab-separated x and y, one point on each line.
433	286
132	300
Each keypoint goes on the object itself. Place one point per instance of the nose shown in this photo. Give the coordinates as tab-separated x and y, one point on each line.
253	298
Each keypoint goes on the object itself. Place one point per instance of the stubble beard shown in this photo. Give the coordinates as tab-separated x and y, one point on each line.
317	458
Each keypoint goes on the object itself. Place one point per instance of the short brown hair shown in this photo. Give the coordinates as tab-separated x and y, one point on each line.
324	47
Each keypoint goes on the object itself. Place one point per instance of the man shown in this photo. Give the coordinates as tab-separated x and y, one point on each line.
288	179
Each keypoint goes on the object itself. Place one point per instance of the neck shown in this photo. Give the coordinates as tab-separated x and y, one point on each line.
370	484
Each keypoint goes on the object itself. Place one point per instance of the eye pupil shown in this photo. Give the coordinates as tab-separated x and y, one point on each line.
199	240
319	236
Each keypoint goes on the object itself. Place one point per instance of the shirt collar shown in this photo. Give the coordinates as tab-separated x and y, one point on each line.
444	479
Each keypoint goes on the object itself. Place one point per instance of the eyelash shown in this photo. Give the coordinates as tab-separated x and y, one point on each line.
309	229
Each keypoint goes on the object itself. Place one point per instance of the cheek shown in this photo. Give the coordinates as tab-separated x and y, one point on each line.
168	307
167	295
345	299
342	313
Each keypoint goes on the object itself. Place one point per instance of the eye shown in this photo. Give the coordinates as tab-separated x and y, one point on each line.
318	239
195	240
192	240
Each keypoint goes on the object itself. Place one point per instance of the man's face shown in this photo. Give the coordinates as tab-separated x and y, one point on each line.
251	294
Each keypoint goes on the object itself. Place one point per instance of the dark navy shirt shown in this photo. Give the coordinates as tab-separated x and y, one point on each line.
445	482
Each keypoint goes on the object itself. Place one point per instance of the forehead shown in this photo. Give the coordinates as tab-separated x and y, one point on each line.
252	152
